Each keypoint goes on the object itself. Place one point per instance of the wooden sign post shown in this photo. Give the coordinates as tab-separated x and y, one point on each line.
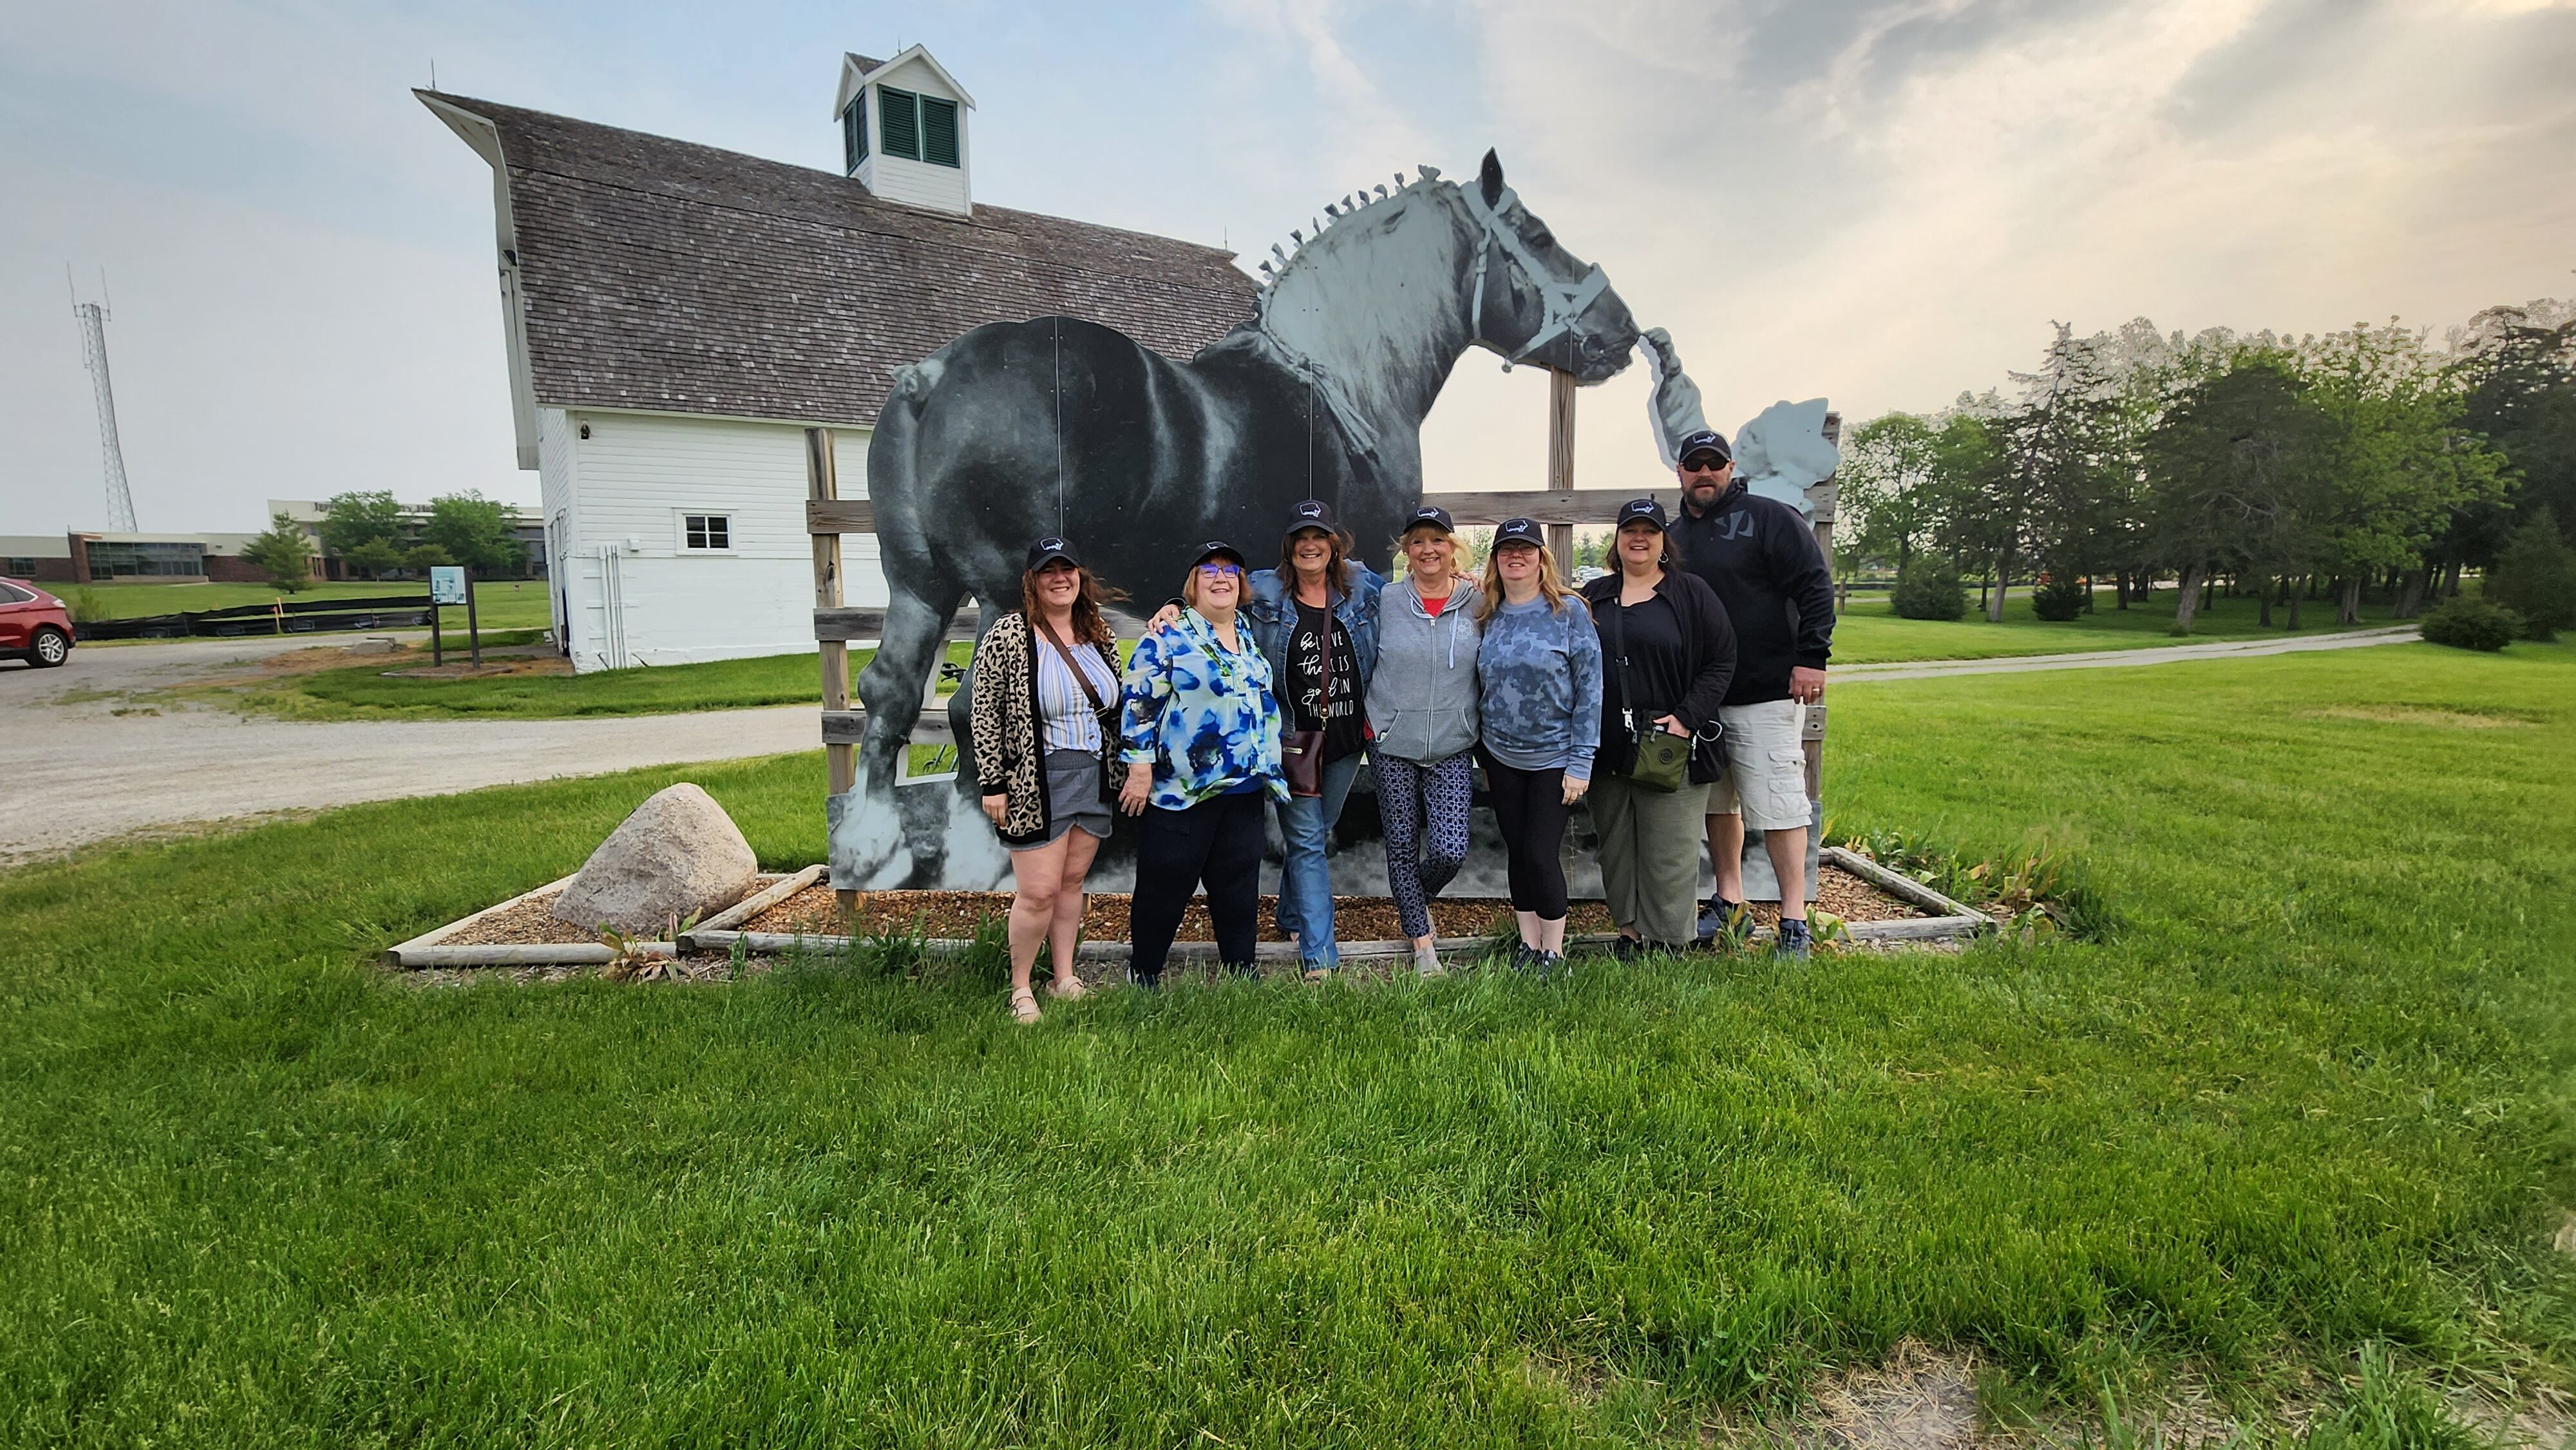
1560	466
840	761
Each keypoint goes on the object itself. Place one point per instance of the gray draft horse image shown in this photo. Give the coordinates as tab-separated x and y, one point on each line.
1018	430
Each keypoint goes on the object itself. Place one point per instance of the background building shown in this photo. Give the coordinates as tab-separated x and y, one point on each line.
674	317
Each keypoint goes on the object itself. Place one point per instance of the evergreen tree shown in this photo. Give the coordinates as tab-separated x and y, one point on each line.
282	554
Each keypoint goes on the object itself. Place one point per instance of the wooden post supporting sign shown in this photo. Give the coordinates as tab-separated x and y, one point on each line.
840	762
1560	466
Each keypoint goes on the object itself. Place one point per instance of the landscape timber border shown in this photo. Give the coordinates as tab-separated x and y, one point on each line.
428	949
1950	921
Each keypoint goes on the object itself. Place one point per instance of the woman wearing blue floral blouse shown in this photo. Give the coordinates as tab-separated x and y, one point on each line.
1200	735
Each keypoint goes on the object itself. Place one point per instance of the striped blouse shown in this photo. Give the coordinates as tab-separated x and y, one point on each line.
1065	718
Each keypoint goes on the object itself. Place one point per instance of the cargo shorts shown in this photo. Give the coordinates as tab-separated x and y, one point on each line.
1766	766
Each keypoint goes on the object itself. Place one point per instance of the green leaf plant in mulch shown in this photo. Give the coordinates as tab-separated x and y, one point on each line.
2037	891
633	963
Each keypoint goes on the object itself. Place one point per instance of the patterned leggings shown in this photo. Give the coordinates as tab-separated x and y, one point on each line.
1406	793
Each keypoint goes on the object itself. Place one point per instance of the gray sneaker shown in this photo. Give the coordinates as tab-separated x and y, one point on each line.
1794	941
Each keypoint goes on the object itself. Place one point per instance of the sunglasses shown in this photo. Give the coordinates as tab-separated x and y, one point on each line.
1218	571
1705	463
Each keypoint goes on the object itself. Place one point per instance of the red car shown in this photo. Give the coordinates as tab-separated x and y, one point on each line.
34	625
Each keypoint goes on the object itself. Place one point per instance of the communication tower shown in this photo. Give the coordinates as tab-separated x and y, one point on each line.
93	323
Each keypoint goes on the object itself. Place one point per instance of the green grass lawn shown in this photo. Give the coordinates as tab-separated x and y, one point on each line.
1869	631
500	604
2315	1094
366	692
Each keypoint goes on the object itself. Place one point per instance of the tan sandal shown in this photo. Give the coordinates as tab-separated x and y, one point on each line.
1024	1005
1068	990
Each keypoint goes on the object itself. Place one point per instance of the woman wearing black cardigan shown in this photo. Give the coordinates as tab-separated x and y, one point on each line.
1672	676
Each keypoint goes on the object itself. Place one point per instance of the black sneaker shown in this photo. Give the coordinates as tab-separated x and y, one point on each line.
1724	923
1146	981
1525	956
1549	964
1794	940
1627	948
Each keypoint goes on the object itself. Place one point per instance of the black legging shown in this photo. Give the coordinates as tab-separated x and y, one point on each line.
1529	806
1218	842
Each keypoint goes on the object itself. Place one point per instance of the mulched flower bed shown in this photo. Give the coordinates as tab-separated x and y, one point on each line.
955	915
530	923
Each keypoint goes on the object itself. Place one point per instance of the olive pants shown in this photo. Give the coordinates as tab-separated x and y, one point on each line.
1650	847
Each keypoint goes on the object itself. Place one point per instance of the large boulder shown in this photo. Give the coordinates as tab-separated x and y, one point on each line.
679	856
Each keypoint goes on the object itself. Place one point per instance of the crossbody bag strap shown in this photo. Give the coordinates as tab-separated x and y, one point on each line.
1619	642
1324	680
1079	677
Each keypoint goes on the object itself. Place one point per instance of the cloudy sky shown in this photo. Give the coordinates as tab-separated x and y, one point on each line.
1878	201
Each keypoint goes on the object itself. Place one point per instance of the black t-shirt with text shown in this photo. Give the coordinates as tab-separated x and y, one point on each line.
1345	731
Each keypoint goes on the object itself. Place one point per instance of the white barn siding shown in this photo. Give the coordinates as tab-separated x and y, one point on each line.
558	491
639	596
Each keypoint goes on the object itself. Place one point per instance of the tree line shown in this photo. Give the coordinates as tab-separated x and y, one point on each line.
367	531
2362	464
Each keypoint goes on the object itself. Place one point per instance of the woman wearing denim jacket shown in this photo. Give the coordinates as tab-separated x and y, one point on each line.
1318	599
1200	735
1317	587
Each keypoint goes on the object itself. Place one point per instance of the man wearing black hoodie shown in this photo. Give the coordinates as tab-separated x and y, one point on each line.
1763	561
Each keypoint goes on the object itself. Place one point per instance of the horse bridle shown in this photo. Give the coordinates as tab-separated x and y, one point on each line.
1563	301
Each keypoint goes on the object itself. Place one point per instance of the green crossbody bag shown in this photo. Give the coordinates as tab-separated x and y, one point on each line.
1662	759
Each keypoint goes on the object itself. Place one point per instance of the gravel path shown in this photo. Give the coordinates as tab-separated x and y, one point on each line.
79	772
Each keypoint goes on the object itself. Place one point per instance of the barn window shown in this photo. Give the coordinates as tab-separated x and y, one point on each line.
854	133
899	122
707	531
938	131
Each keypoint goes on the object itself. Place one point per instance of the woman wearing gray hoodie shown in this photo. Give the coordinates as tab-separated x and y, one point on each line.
1422	722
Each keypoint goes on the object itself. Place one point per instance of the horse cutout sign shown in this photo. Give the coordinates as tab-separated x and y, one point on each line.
1056	425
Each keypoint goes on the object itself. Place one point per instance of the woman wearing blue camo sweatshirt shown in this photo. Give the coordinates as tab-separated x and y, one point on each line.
1539	668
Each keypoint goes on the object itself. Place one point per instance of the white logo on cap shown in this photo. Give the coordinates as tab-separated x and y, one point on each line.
1310	511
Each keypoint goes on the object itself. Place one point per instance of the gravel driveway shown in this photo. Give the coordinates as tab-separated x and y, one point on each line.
77	772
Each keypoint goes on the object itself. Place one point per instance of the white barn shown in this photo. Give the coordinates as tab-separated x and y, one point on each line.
675	316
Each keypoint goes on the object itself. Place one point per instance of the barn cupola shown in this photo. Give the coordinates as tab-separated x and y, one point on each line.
903	130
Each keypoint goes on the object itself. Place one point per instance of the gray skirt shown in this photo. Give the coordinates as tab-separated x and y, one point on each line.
1073	797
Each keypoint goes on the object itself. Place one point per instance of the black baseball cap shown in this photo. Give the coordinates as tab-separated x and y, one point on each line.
1519	531
1706	440
1430	513
1643	510
1217	549
1049	549
1311	513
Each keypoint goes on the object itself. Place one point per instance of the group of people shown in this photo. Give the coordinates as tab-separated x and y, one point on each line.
1670	691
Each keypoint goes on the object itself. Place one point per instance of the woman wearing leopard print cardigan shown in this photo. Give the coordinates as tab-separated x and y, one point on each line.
1045	716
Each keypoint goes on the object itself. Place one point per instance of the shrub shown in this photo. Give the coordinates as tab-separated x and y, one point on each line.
2535	577
2059	599
1930	589
2471	624
85	607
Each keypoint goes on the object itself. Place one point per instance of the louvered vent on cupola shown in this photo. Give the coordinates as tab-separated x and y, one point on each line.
904	132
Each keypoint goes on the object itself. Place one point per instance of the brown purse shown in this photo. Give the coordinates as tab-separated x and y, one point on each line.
1301	752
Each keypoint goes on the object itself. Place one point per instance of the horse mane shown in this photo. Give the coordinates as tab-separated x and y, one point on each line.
1292	257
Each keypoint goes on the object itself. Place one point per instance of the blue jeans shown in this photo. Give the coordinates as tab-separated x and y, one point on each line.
1305	878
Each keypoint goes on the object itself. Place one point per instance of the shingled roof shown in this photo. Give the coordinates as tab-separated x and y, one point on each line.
666	276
